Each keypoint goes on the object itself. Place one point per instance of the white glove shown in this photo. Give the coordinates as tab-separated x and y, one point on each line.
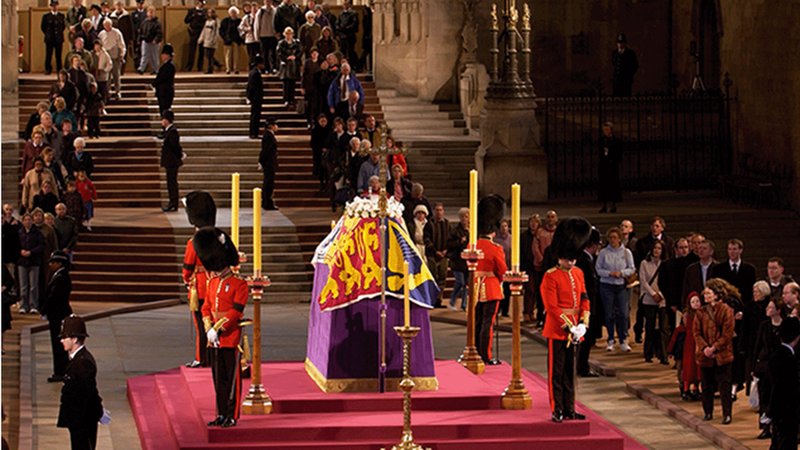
259	167
106	419
578	331
764	419
212	336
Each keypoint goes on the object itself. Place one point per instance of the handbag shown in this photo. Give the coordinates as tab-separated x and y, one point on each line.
632	280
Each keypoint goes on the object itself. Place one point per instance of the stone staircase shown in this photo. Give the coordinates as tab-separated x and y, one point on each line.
441	149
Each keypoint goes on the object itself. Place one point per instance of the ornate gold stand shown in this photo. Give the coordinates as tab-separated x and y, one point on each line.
407	441
470	357
516	396
257	400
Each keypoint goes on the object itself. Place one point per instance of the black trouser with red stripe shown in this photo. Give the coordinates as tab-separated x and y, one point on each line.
227	380
485	313
201	342
560	376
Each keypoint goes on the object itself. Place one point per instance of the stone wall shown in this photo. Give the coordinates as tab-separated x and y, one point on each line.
758	48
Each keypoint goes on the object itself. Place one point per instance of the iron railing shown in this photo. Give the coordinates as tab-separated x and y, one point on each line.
672	141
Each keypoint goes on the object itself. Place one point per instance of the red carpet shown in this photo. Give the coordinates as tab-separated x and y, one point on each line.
172	407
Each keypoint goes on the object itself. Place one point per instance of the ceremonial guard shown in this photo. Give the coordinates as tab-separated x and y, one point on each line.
81	405
568	311
488	274
222	311
201	212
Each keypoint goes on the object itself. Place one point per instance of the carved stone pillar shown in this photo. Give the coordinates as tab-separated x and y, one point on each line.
510	150
405	33
416	21
10	69
377	22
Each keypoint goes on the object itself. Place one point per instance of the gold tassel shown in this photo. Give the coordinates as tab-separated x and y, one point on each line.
246	349
194	301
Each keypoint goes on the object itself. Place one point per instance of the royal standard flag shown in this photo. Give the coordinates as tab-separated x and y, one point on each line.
347	265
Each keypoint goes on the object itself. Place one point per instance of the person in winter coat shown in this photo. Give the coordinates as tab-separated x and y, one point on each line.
290	55
247	31
229	32
208	38
713	335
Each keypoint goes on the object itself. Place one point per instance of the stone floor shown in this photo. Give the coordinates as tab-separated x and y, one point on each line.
124	349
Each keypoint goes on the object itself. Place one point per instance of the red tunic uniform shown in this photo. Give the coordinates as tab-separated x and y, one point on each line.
193	268
226	298
490	270
565	300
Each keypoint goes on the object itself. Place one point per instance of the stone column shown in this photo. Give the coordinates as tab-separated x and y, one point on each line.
510	150
404	22
11	143
415	19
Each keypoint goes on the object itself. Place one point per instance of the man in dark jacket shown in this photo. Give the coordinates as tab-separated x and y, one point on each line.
346	30
66	230
586	263
53	25
255	95
81	405
171	158
288	15
268	163
138	16
55	308
150	35
737	272
625	66
32	244
165	80
196	20
785	398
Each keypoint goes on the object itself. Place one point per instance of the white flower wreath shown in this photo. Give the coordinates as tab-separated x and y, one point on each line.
365	208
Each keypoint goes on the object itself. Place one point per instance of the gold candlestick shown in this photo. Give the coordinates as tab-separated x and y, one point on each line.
257	401
516	396
407	384
469	357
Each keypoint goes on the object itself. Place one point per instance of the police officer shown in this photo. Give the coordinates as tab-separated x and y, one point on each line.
53	25
55	307
255	94
226	299
81	405
625	66
268	162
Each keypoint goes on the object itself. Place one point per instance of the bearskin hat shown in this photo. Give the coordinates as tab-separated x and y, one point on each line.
215	249
571	237
490	214
200	209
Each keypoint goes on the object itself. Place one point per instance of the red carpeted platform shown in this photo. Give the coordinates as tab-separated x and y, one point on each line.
172	407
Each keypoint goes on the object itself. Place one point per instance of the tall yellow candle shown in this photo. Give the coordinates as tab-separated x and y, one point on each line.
515	225
235	209
406	298
257	229
473	207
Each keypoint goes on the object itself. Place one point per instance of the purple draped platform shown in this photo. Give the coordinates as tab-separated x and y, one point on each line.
343	347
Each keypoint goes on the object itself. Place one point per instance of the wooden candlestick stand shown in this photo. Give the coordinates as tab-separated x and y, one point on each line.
470	357
516	396
257	401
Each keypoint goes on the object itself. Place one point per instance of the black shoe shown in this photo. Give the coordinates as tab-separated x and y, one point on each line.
589	374
557	417
707	417
765	434
686	397
207	71
664	362
47	72
695	395
638	338
140	72
493	362
614	209
648	360
160	136
270	208
228	422
726	420
216	422
169	208
193	365
253	137
734	397
236	72
603	209
572	415
55	379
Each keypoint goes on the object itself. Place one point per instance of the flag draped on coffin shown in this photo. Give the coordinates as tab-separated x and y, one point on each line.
344	318
347	265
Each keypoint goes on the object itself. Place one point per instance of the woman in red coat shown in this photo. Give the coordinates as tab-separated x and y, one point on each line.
691	371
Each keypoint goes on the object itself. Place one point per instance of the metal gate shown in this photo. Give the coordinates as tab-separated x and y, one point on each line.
670	142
